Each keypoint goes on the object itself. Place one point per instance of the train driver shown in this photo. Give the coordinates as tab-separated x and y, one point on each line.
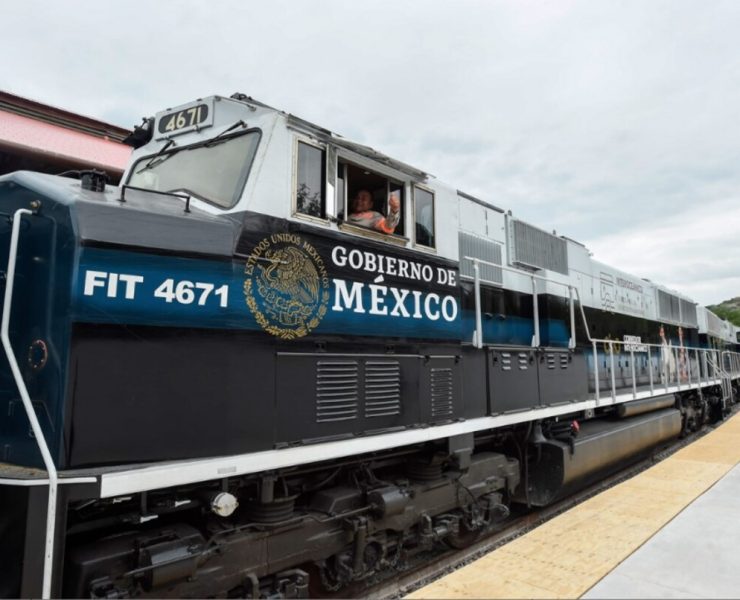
363	214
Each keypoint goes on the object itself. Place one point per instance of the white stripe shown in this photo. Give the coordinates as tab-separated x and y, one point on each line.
35	482
164	475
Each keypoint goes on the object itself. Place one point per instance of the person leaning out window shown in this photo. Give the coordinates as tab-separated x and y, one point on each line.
363	214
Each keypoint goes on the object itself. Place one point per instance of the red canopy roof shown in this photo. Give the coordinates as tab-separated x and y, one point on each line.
30	135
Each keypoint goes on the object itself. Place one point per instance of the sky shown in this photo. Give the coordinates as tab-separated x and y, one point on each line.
612	122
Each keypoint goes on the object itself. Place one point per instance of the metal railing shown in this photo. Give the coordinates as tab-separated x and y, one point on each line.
726	365
710	363
28	405
478	335
679	367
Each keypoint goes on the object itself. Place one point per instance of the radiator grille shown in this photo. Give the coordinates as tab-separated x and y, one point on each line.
688	312
676	310
477	247
336	391
669	307
715	325
441	380
382	388
532	247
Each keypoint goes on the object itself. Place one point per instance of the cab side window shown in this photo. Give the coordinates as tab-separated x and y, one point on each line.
424	217
370	200
310	192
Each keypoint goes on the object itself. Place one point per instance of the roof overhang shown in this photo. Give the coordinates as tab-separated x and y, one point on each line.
30	136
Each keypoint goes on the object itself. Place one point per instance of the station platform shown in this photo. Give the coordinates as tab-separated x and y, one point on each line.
669	532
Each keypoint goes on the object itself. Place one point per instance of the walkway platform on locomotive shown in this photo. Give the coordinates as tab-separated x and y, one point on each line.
668	532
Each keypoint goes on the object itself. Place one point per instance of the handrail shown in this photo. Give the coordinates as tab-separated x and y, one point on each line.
478	336
733	362
714	370
710	357
725	375
28	405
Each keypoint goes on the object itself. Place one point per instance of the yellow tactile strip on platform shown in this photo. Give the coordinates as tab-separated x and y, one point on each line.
566	556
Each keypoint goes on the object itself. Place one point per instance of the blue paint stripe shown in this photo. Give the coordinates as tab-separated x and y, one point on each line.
97	305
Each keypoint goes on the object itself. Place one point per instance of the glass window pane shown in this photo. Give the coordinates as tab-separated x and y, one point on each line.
396	189
215	173
310	181
424	216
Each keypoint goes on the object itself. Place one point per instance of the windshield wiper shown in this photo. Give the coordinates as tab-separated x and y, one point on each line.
151	163
219	138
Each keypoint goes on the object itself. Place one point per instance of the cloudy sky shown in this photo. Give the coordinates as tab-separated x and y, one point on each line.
613	122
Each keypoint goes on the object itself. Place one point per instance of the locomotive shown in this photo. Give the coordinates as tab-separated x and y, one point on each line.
218	379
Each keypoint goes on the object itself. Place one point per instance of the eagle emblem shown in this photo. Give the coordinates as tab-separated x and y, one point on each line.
286	286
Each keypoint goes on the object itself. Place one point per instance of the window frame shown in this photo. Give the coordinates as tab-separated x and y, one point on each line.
416	243
347	158
338	161
326	219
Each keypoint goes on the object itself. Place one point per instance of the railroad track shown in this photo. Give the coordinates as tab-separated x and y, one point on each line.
429	566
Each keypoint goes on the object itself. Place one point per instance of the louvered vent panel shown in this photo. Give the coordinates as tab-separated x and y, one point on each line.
675	309
505	361
336	391
714	324
382	388
669	307
688	312
550	361
441	392
523	359
532	247
563	361
477	247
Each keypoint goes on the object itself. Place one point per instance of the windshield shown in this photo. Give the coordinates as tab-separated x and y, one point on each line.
215	173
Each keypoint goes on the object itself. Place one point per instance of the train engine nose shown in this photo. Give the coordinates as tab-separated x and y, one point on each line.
37	254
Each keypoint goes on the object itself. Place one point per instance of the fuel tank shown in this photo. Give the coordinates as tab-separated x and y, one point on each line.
558	468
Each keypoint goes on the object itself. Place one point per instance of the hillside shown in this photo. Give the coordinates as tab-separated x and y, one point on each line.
729	309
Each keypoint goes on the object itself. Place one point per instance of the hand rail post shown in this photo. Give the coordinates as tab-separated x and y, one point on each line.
688	365
478	318
28	404
634	378
614	383
665	367
596	372
583	315
678	368
698	368
572	309
536	311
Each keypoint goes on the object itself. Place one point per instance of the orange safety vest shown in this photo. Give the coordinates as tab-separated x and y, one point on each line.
374	220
